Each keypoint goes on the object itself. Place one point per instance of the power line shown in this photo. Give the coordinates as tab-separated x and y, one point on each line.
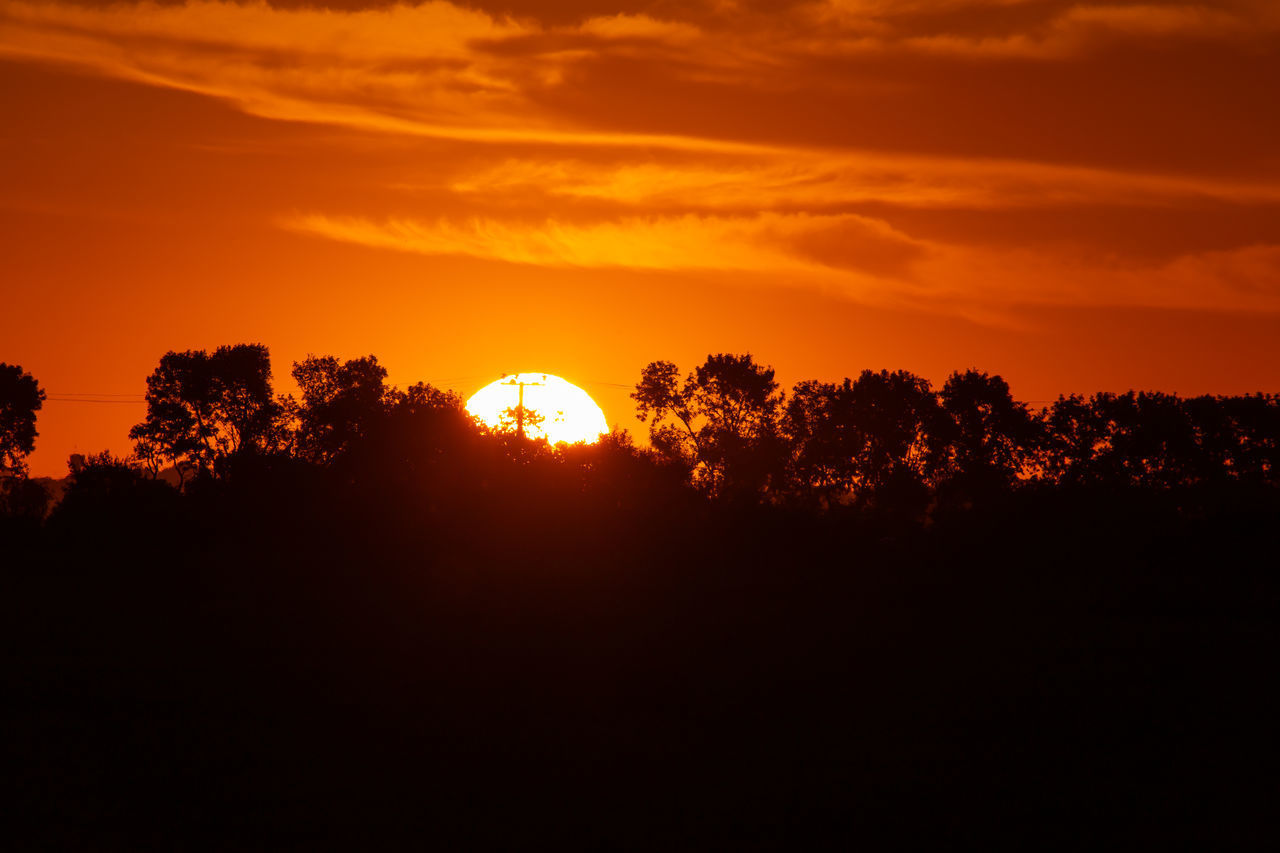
608	384
91	394
90	400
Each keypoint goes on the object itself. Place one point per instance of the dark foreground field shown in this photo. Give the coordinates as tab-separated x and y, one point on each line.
1075	669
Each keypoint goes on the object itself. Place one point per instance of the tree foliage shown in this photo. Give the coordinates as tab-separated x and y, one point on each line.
341	401
884	442
20	398
993	438
204	407
721	423
1155	440
884	434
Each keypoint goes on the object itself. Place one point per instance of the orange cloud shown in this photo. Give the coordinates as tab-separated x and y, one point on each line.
1241	280
1152	19
767	243
856	257
822	179
446	70
414	70
621	182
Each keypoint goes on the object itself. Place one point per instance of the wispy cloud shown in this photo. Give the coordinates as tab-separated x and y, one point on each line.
747	137
816	179
766	243
416	70
856	257
447	70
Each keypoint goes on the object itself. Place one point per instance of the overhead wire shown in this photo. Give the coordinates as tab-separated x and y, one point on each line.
60	399
92	394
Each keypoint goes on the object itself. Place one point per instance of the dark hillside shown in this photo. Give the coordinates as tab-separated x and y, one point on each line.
1072	668
865	613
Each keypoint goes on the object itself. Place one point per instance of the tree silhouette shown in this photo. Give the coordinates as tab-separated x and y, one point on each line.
883	435
721	424
251	418
20	398
203	407
1216	445
995	437
1076	431
825	445
1150	439
1254	454
109	496
883	441
421	398
341	402
423	434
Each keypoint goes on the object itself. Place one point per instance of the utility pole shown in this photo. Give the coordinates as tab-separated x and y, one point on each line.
515	380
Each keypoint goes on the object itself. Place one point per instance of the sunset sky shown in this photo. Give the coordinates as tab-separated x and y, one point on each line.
1078	196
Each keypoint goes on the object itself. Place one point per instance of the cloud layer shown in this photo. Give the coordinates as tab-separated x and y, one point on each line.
847	145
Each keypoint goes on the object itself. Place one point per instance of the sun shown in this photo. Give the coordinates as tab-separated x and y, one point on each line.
554	409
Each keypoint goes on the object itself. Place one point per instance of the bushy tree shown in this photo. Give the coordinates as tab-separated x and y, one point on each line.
995	438
111	498
203	407
1150	440
721	423
421	430
341	403
1254	455
20	398
1076	431
825	446
866	440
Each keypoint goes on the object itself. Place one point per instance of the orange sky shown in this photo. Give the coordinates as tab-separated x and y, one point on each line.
1079	196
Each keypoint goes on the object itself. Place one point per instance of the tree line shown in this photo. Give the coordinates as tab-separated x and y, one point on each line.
890	436
725	430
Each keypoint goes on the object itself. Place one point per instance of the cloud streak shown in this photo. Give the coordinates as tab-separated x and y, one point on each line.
408	69
818	179
852	256
440	69
767	243
752	138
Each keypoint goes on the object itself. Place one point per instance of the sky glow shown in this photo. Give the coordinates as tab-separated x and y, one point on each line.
1079	196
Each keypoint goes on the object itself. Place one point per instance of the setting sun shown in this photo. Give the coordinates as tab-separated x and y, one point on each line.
553	408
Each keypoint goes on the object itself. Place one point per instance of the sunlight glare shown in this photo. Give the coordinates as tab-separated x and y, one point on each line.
569	414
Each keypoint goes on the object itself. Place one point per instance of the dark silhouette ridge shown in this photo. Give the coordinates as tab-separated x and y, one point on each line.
865	612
